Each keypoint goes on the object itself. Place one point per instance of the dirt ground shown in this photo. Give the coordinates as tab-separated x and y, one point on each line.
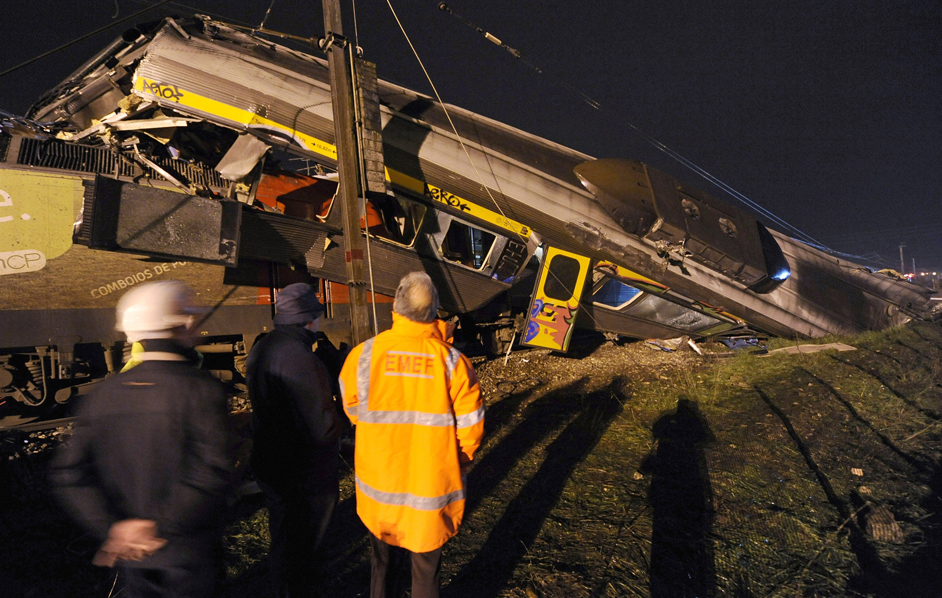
625	470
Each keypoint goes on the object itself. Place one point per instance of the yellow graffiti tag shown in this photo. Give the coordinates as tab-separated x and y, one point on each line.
173	93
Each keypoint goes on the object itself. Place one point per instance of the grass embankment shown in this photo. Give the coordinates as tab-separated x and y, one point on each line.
630	472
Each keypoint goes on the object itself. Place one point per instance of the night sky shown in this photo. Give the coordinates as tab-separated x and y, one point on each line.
826	113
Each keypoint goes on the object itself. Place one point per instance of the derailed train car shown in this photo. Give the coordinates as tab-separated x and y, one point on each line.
211	152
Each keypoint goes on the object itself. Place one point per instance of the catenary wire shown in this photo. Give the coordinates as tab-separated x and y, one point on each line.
265	18
907	231
646	137
460	140
203	11
83	38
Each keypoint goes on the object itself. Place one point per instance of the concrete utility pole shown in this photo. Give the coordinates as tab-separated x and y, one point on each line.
341	89
902	264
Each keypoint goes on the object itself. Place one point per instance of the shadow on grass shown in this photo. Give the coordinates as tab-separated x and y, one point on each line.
931	339
909	459
929	413
345	567
874	577
514	534
538	420
917	576
342	568
682	501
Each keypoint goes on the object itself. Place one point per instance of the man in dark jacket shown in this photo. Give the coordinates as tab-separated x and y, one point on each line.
148	465
295	449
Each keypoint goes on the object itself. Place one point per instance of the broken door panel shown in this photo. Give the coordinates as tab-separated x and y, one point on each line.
555	302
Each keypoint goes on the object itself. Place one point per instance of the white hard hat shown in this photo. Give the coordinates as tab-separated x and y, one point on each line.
163	309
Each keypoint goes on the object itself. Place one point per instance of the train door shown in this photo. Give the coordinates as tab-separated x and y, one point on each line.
554	304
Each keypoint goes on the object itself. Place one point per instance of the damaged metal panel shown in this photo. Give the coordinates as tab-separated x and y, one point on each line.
854	299
281	239
775	313
134	218
242	158
460	290
241	83
654	205
552	160
62	155
89	103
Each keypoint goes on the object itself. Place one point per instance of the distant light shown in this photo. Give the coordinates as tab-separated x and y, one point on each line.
933	274
782	274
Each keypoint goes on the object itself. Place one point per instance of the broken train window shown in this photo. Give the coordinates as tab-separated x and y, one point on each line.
296	186
615	294
466	244
562	279
665	312
393	218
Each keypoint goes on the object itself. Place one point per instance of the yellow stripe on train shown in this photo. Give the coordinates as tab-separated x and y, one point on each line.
172	93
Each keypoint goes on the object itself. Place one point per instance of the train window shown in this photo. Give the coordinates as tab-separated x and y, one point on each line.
394	218
512	258
296	194
296	186
466	244
670	314
615	294
562	278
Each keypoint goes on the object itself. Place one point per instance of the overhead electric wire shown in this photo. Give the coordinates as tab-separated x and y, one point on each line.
646	137
83	38
461	141
445	110
910	231
228	20
265	18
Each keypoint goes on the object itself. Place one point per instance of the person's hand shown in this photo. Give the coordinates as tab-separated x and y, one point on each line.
129	540
450	330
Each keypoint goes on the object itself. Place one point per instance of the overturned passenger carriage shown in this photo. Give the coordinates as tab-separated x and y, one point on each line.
200	152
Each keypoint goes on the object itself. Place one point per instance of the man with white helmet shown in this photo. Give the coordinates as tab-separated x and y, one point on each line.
148	465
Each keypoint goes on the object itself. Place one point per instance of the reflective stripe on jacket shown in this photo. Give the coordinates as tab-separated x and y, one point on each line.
417	408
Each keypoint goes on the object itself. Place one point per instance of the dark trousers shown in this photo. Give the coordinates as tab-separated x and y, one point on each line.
297	521
389	576
197	581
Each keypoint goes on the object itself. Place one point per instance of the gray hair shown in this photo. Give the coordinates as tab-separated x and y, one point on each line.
416	298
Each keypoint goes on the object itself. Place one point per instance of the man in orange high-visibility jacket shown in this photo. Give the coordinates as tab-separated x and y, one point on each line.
419	418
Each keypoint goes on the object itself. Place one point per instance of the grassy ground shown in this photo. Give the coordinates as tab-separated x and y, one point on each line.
622	471
625	471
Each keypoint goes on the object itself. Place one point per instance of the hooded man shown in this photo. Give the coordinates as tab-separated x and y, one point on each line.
419	418
295	448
